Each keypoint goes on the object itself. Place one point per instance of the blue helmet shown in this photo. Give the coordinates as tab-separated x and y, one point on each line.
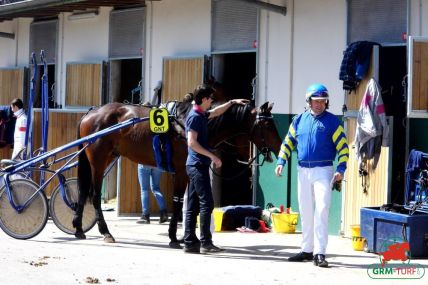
316	92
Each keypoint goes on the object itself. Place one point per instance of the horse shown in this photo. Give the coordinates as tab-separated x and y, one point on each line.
245	122
7	126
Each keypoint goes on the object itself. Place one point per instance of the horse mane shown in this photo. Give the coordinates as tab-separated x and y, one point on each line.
235	117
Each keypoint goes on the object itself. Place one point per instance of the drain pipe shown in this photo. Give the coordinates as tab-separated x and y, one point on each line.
290	83
150	55
16	41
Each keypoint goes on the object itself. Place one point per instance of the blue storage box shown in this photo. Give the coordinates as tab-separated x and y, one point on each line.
409	222
381	229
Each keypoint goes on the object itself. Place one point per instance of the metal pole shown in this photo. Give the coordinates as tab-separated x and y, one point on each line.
45	109
29	130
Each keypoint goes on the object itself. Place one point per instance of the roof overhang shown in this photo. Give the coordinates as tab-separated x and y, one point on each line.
51	8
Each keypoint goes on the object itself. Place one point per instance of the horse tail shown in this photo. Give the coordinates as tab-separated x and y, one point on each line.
84	173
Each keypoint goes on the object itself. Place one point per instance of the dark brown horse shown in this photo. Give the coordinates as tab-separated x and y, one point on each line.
135	143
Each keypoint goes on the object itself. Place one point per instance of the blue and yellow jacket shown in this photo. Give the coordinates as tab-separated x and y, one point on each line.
317	139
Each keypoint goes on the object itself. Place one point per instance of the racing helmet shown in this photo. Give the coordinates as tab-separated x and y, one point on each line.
316	92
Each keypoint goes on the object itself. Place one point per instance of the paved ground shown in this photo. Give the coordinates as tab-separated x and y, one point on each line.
141	256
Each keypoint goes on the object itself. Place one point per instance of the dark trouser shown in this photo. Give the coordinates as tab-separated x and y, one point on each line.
199	201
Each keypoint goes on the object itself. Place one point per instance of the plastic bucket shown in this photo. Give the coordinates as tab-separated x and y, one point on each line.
218	219
355	230
217	215
284	223
358	243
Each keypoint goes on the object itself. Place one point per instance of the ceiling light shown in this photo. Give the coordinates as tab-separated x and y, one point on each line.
84	15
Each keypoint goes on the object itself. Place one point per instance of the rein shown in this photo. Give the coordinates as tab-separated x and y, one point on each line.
249	163
264	151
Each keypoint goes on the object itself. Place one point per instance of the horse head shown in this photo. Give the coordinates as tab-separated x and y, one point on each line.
264	133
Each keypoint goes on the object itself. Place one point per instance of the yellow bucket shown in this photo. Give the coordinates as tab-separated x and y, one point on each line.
284	223
358	243
218	219
217	215
355	230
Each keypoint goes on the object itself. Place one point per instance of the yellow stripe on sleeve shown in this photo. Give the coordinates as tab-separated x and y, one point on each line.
337	133
340	144
343	159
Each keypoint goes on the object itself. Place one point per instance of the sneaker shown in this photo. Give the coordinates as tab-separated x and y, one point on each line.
301	256
211	249
163	217
145	219
319	260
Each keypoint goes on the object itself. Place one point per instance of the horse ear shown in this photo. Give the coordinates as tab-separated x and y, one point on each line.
263	107
269	108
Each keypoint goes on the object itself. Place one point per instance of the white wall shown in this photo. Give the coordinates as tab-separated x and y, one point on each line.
319	42
84	41
418	18
301	48
275	58
175	28
23	44
15	52
8	46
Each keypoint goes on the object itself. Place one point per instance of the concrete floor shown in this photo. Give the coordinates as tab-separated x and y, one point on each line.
141	255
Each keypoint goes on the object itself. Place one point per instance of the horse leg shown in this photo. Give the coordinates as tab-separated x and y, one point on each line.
179	188
96	201
77	220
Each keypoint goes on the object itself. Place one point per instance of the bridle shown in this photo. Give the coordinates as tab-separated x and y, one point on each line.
263	151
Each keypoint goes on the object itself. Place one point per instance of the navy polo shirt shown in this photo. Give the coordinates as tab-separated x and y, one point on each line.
198	122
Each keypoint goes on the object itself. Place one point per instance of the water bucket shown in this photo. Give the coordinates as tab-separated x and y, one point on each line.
358	243
355	230
357	240
218	219
284	223
217	215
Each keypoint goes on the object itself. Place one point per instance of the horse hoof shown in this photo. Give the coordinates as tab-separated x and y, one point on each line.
109	239
80	235
175	244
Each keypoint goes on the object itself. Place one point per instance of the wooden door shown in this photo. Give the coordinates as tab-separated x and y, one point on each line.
418	78
181	76
84	85
377	179
11	84
62	130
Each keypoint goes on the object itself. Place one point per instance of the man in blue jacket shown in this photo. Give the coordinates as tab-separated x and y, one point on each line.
318	136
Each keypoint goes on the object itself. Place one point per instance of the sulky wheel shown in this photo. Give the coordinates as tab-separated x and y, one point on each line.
32	219
62	215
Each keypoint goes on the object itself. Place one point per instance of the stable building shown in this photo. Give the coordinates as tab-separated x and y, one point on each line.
266	50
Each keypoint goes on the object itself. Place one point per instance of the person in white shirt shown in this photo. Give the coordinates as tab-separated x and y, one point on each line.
20	127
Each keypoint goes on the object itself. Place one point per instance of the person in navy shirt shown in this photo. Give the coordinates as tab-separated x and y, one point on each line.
199	196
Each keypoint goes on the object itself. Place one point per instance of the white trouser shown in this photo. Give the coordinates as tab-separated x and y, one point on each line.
313	186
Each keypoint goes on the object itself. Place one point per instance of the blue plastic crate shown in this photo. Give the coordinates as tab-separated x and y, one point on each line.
381	229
